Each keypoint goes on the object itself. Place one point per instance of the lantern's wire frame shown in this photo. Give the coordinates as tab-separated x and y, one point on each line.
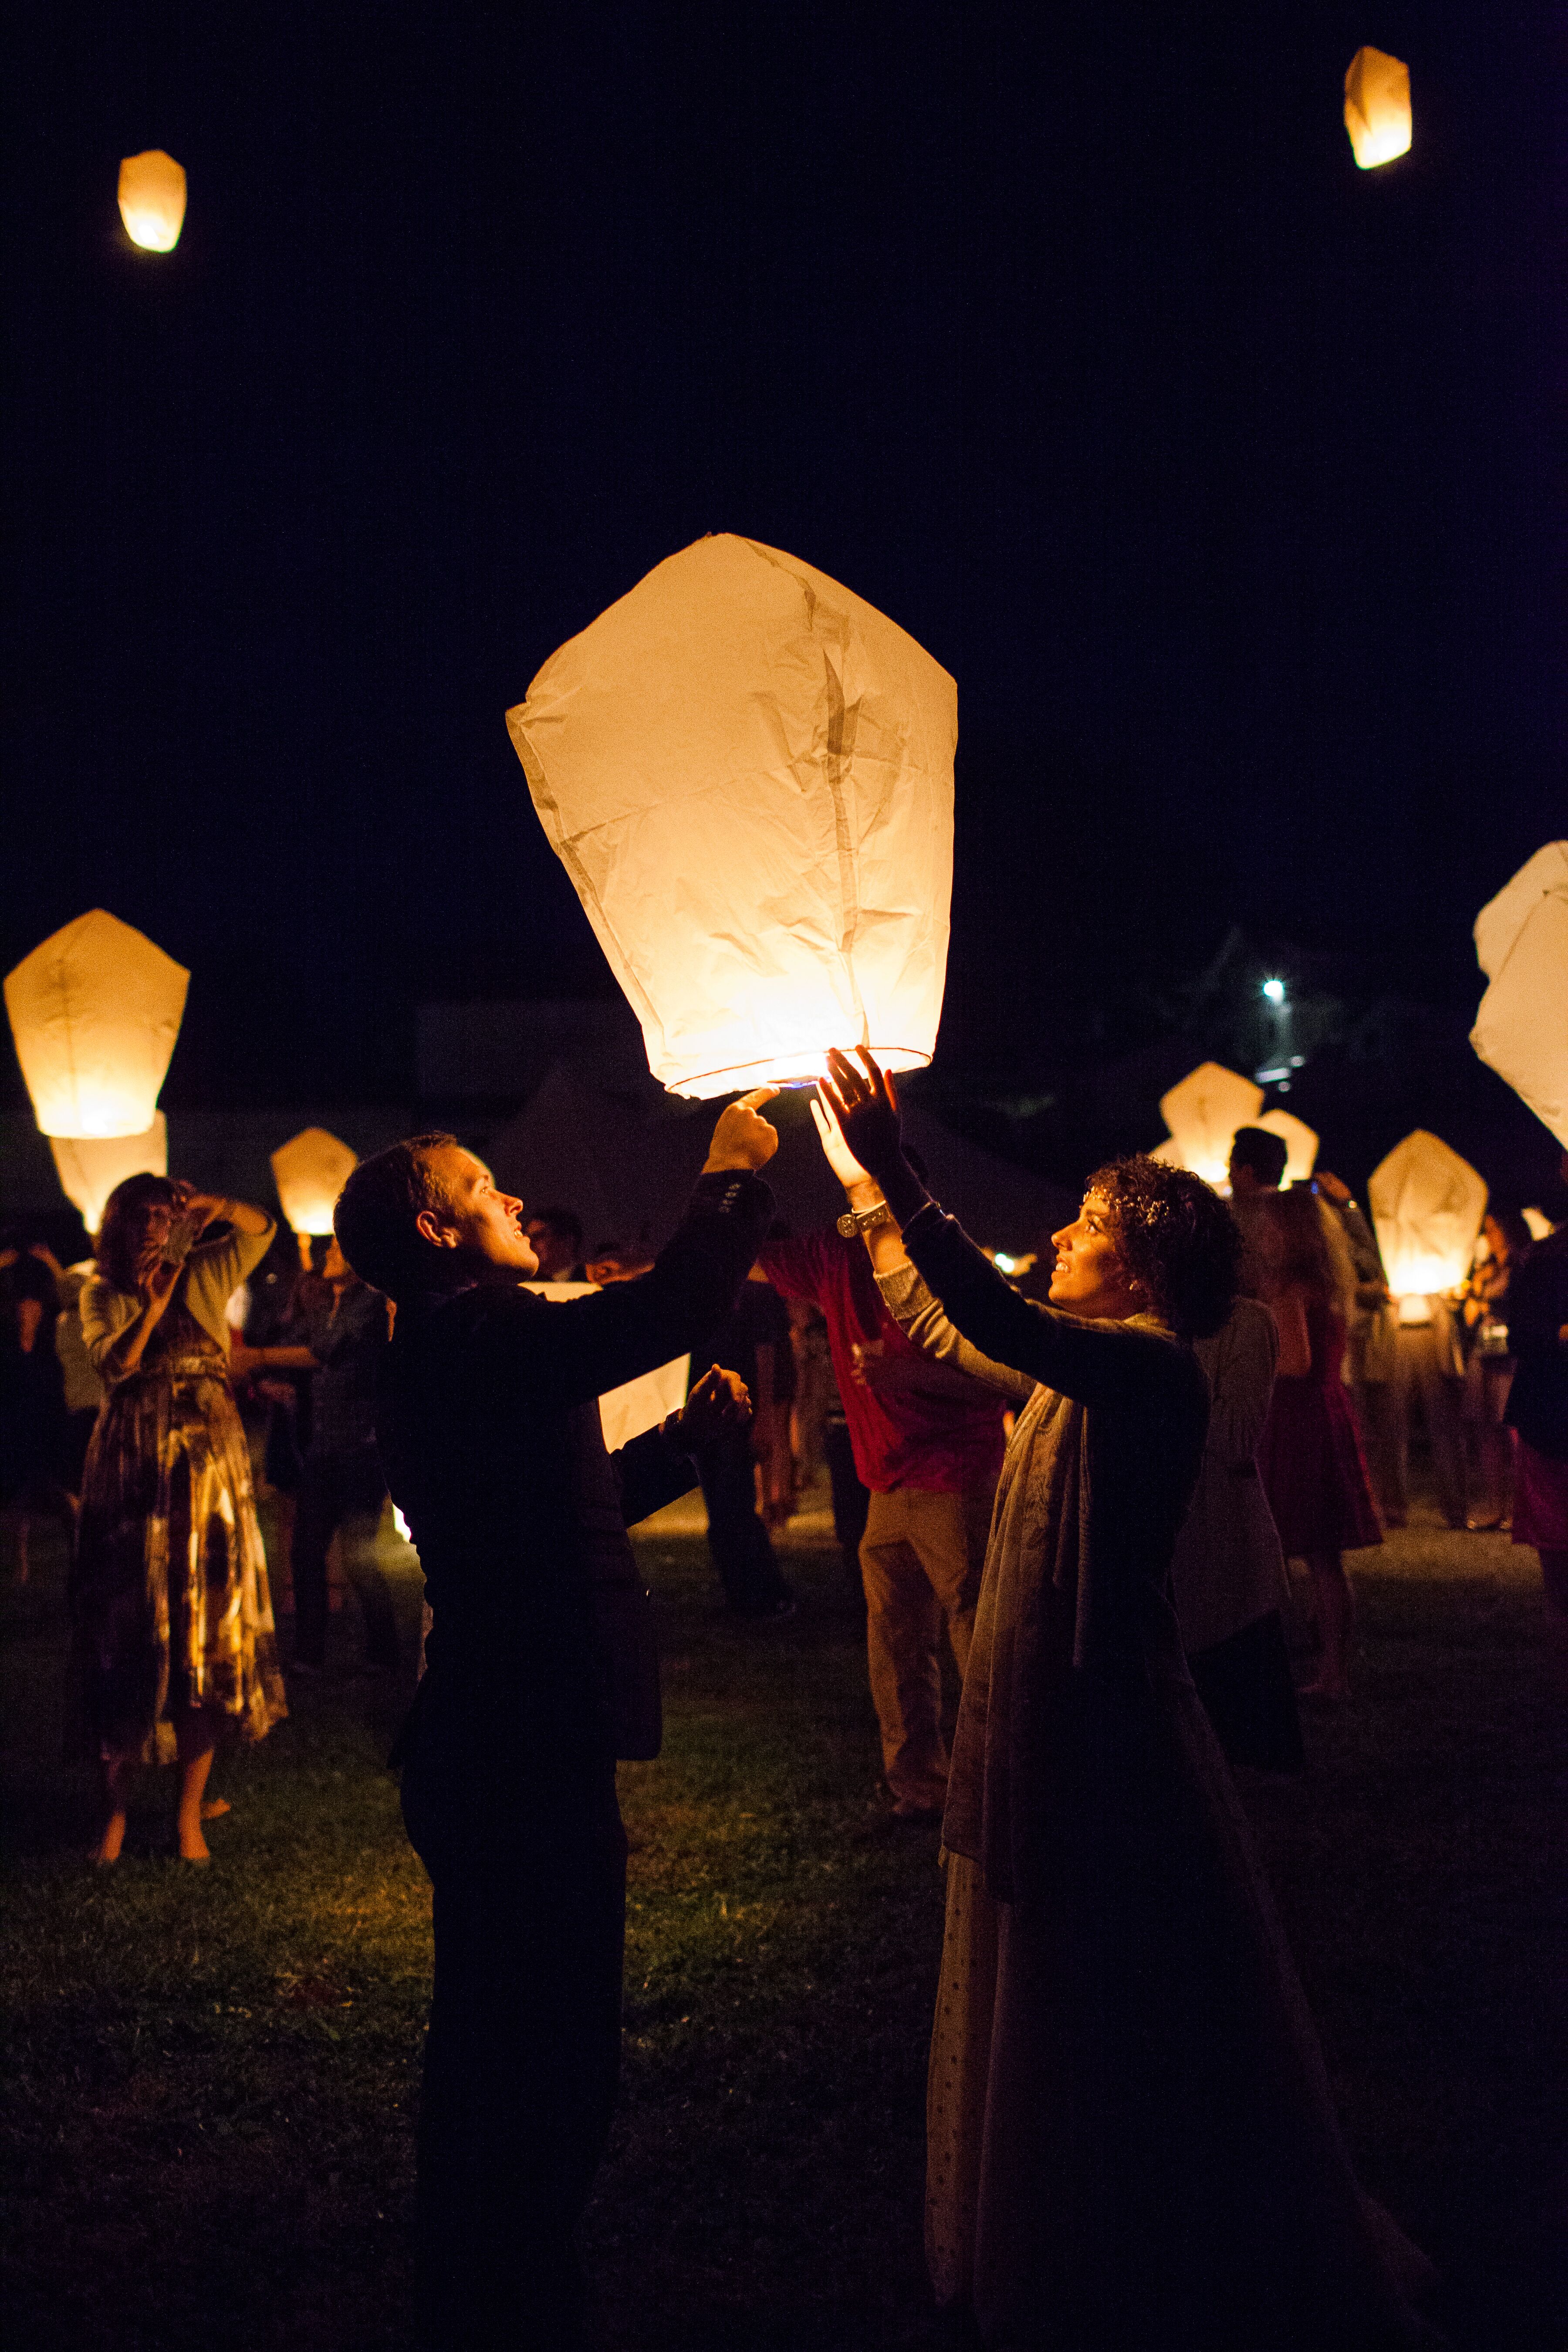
913	1060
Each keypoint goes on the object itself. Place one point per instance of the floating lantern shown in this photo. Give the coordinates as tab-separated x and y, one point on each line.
95	1011
747	771
309	1171
90	1167
153	200
1203	1113
1377	108
1299	1140
1426	1204
1522	942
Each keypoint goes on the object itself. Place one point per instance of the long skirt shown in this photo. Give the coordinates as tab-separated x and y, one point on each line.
170	1602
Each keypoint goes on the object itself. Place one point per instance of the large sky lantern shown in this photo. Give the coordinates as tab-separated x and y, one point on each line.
1377	108
1522	943
95	1011
90	1167
747	771
153	200
1203	1112
309	1171
1427	1203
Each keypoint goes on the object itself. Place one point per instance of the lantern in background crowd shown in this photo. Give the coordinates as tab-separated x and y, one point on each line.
153	200
1426	1204
747	771
95	1011
1377	107
1522	943
1203	1113
90	1167
1299	1140
309	1171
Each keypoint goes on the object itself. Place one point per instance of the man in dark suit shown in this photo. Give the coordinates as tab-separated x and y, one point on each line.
540	1674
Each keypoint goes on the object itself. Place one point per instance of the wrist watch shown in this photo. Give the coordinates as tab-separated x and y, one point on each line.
861	1221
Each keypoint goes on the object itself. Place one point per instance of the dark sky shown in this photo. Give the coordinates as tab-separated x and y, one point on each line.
1224	478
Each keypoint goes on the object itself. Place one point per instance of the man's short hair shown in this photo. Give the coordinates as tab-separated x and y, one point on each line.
565	1223
376	1214
1265	1153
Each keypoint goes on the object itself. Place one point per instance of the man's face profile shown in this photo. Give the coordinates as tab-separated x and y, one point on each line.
482	1227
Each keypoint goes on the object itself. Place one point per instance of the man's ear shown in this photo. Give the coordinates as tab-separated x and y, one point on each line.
429	1227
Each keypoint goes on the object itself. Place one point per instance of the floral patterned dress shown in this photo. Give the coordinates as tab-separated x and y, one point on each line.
170	1603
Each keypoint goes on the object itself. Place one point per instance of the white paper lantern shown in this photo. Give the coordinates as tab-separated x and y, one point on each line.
636	1405
95	1011
1203	1112
1426	1204
90	1167
1521	1029
309	1171
1377	108
1300	1141
153	200
747	771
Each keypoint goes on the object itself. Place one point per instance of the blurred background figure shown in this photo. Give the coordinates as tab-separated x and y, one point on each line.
1429	1371
344	1328
1502	1249
1538	1415
1371	1351
32	1395
1256	1171
1309	1457
172	1618
815	1392
753	1341
557	1238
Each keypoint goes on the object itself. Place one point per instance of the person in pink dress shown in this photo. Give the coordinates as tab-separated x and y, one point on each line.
1309	1458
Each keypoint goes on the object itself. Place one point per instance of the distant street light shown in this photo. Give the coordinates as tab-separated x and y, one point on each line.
153	200
1377	108
1274	990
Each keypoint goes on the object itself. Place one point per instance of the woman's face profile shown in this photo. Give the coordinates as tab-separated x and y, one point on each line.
1089	1277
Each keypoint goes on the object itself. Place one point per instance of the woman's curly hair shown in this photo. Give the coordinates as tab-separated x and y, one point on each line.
1174	1235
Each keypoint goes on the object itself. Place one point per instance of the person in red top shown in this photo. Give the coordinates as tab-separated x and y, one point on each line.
928	1444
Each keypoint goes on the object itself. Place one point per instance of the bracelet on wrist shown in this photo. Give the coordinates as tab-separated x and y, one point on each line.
861	1221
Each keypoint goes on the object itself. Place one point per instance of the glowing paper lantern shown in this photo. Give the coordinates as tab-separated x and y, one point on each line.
747	771
1377	108
95	1011
1521	1029
153	200
1299	1142
1203	1113
1426	1204
90	1167
636	1405
309	1171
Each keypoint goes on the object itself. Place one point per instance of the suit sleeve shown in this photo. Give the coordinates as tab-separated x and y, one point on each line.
651	1473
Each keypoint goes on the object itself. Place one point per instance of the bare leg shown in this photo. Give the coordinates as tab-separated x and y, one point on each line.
195	1736
119	1771
1554	1584
1335	1606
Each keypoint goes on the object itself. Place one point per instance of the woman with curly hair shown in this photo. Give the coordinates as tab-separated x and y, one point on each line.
173	1633
1131	2139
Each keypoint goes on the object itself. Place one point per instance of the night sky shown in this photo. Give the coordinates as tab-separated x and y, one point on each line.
1223	476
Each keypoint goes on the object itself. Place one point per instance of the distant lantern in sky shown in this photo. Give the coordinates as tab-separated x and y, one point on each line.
1203	1112
1426	1204
747	771
309	1171
95	1011
1522	944
1377	107
153	200
90	1167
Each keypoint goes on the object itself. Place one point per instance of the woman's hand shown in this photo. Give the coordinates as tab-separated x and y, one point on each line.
865	1103
742	1140
835	1152
720	1402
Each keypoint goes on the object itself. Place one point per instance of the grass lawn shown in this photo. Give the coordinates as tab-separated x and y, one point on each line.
211	2073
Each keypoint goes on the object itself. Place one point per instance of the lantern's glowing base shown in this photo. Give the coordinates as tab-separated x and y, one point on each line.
789	1070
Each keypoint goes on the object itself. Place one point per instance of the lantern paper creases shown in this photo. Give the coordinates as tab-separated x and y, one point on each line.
1522	943
153	200
95	1011
1377	108
90	1167
747	771
309	1171
1426	1204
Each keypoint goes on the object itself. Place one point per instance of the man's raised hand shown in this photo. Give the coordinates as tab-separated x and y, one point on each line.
741	1139
719	1401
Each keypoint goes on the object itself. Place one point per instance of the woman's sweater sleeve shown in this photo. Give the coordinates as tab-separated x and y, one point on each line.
214	1271
920	1318
105	1314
